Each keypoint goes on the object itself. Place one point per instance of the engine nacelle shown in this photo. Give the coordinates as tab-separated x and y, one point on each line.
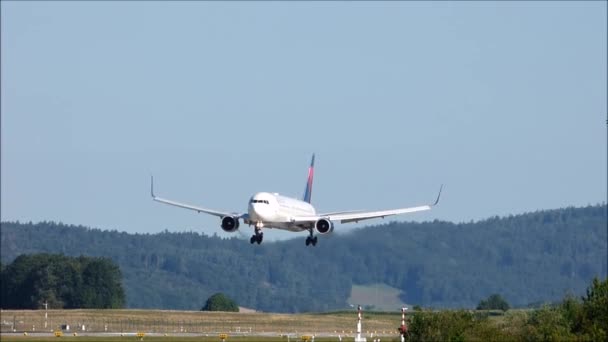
230	224
324	226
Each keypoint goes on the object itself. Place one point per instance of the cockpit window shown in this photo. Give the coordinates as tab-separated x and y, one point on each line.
259	201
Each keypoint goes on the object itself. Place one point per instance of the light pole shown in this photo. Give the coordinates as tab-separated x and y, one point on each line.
403	327
46	315
358	338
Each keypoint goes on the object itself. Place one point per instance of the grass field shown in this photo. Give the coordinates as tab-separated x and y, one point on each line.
240	326
162	325
179	339
175	338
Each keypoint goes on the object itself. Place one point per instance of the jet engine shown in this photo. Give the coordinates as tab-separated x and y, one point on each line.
230	224
324	226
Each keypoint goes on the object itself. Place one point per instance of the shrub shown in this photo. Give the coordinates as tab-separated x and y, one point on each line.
494	302
220	302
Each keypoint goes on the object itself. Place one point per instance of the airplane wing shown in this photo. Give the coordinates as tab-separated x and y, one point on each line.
366	215
342	212
345	217
188	206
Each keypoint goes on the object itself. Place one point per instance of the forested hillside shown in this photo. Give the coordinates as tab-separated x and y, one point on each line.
61	281
528	258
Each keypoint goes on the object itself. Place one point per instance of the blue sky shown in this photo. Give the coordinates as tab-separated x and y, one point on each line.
503	102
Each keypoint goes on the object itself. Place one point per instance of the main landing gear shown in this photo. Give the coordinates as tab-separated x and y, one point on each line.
311	240
258	236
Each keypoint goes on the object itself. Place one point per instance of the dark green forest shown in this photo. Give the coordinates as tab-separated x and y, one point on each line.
62	281
530	258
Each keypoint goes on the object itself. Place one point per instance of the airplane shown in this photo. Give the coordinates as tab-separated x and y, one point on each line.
272	210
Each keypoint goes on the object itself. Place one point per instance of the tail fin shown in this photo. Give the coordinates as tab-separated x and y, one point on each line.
311	172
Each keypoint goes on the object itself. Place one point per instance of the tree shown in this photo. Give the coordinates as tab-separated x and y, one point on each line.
585	320
595	310
220	302
443	325
62	281
102	286
494	302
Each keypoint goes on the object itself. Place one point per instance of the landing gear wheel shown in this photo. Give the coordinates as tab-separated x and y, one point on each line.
258	236
311	240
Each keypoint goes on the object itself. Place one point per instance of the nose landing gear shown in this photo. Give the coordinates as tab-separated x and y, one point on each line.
311	240
258	236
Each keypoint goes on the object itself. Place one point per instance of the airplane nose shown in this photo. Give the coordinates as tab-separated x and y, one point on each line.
261	212
255	212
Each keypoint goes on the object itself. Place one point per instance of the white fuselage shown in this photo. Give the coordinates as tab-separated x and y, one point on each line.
271	210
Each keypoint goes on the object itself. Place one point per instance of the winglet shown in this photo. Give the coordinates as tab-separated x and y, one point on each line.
311	172
439	195
152	186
